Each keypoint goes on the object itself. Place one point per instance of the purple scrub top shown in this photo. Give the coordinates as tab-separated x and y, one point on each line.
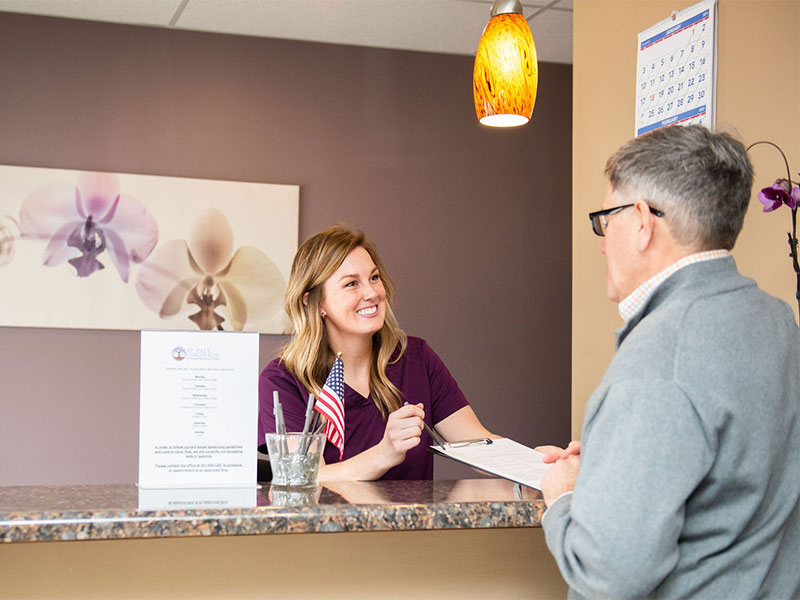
420	375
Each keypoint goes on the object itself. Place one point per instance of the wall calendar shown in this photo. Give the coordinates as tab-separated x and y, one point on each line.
676	70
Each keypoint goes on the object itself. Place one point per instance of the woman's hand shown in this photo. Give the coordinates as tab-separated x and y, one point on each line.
403	430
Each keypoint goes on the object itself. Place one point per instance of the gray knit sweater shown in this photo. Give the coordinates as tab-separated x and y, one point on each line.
690	460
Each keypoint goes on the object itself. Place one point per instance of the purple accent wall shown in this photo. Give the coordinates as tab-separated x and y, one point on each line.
473	224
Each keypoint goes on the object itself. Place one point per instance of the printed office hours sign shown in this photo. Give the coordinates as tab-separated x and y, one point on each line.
676	70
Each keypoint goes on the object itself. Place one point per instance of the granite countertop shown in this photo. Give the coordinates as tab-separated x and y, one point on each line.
103	512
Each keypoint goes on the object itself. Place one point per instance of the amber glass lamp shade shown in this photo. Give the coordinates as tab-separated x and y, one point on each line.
506	72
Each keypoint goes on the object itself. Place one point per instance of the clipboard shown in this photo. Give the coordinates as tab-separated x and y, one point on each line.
501	457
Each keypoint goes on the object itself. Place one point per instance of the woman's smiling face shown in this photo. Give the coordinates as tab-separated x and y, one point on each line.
354	301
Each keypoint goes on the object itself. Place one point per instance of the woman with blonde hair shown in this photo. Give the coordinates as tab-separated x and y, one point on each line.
339	299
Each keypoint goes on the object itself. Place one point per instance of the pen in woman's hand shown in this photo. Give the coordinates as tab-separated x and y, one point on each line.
437	439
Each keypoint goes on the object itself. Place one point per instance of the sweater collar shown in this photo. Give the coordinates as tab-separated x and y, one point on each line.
689	276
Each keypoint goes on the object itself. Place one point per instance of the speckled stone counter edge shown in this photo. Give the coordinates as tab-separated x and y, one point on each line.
69	525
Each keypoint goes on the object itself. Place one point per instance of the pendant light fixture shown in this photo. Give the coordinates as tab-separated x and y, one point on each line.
506	70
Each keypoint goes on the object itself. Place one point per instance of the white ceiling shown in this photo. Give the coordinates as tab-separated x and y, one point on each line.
447	26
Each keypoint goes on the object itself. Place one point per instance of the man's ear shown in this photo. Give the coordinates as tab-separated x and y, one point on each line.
305	299
647	224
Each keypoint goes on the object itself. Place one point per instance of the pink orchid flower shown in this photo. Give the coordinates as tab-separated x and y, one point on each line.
204	270
779	193
80	223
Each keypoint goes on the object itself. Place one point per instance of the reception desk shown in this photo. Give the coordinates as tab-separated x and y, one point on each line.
459	539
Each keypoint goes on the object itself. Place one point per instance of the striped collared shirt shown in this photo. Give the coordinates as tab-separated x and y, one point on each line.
636	300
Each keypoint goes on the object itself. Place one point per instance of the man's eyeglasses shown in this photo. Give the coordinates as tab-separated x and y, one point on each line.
600	223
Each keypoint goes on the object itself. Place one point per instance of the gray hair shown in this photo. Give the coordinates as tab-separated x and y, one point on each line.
699	179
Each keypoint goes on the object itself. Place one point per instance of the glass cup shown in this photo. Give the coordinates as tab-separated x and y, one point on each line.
294	458
293	496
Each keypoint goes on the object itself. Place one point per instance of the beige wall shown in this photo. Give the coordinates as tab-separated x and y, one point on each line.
758	97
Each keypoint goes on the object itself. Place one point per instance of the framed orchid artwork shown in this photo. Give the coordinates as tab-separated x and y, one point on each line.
96	250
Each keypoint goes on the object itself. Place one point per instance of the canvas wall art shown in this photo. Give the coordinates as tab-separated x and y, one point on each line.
96	250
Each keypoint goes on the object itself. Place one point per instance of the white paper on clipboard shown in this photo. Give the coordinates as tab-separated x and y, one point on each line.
502	457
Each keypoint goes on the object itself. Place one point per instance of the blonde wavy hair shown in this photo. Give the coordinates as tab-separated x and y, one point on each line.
308	354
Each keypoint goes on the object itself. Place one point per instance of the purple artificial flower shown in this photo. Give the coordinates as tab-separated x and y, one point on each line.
779	193
80	223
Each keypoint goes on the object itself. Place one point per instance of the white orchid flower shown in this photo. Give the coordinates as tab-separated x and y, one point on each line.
244	286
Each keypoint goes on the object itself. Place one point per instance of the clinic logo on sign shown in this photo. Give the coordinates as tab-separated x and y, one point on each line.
178	353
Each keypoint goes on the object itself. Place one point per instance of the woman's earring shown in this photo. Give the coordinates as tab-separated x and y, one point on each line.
323	314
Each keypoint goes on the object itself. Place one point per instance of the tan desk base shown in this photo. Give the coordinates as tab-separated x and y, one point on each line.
486	564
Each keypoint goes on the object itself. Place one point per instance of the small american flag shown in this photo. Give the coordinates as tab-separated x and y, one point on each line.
331	405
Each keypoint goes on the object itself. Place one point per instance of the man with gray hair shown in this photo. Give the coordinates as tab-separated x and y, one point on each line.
687	478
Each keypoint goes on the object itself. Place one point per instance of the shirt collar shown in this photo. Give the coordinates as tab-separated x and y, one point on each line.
637	299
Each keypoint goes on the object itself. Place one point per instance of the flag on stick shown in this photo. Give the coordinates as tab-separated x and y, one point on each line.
331	405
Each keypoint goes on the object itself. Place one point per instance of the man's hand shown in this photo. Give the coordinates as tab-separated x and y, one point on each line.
555	453
561	477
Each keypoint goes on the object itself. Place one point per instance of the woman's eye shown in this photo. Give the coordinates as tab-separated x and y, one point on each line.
350	284
376	277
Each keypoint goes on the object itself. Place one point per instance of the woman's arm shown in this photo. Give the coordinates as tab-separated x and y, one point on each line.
463	425
403	430
460	421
